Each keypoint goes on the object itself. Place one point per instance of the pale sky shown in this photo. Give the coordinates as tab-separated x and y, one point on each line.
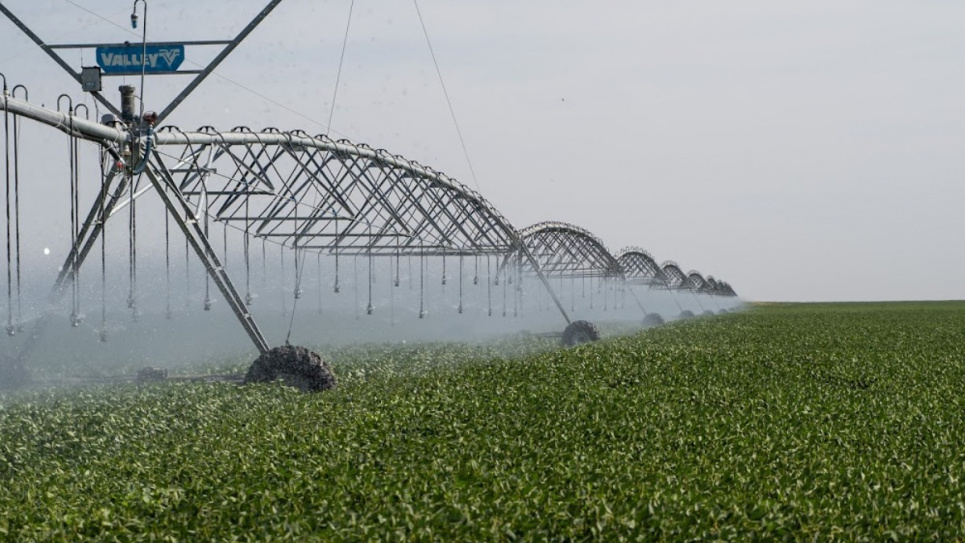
798	150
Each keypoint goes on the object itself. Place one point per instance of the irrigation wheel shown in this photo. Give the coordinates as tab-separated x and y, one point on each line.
652	319
296	366
580	332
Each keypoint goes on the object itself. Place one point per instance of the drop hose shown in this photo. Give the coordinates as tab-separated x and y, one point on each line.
148	148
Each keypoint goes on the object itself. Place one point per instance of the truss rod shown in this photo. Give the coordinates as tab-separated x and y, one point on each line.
60	62
217	60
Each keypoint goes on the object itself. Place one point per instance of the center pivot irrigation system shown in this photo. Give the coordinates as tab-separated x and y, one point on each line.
304	195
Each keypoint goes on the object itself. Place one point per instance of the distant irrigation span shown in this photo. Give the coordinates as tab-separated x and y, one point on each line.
317	205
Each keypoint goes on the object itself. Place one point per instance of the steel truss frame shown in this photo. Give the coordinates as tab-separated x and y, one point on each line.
314	193
700	285
676	278
722	287
640	268
568	250
706	285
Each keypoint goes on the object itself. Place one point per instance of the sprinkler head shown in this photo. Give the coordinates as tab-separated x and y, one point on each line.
368	309
490	312
422	314
475	280
103	336
298	293
130	302
248	299
443	279
76	319
207	304
460	308
396	281
336	288
11	330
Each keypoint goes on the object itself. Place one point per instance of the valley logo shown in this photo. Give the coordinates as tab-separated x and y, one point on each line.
126	59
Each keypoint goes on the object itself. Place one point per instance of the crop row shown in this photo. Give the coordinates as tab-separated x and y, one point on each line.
781	422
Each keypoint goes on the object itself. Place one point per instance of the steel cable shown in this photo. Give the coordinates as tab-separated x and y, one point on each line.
103	218
6	142
16	207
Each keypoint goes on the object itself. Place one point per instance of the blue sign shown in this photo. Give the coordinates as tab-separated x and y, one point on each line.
127	59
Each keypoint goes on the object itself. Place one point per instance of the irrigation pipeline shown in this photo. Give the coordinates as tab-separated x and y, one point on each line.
572	245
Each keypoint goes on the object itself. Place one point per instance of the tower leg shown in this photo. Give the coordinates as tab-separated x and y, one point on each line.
187	221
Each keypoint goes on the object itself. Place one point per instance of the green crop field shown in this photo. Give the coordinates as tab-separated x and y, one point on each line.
797	422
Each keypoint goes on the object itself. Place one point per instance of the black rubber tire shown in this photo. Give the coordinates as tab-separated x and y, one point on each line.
148	374
579	332
686	314
653	319
296	366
